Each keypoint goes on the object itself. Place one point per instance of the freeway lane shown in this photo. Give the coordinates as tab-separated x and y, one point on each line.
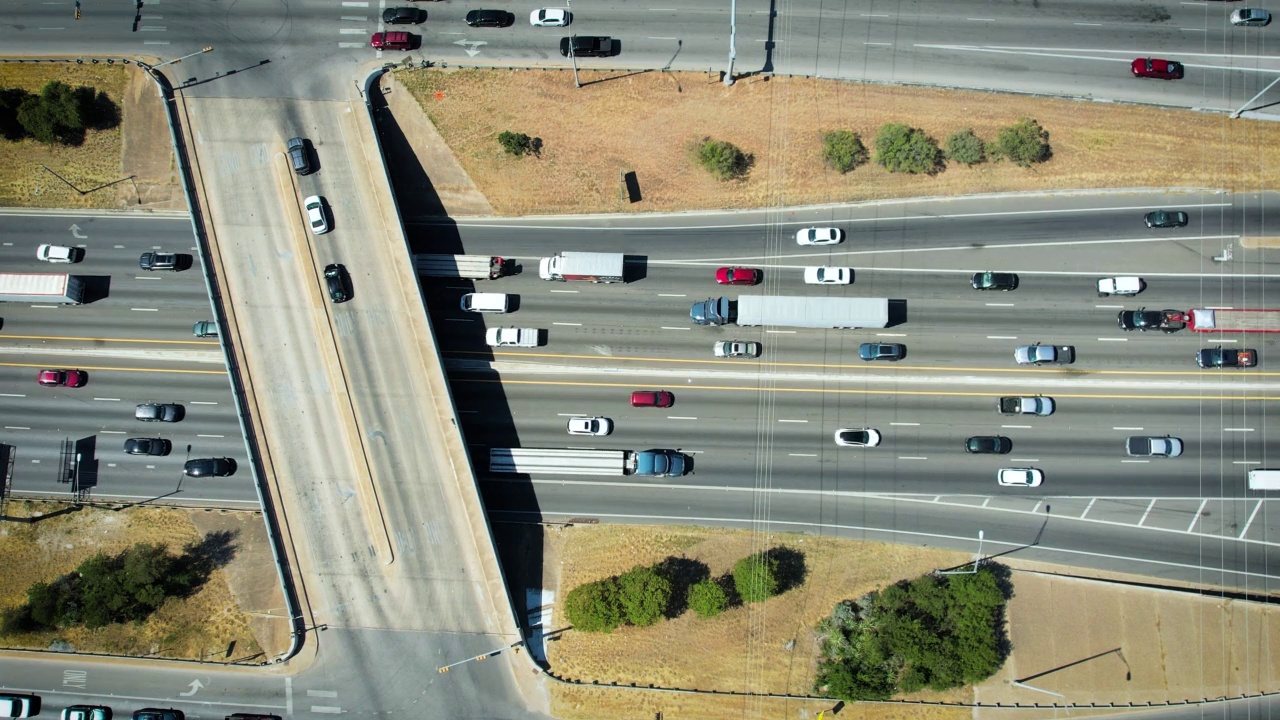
99	417
734	430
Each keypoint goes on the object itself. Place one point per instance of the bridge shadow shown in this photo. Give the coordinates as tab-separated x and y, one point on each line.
480	403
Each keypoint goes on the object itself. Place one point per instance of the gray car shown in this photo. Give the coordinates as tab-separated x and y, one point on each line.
1251	17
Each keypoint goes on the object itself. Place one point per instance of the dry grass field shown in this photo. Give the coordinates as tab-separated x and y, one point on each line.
204	624
764	648
23	180
646	122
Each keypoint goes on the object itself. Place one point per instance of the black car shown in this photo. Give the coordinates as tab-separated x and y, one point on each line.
158	714
335	279
490	18
159	261
403	16
159	412
209	467
147	446
882	351
1166	219
1144	320
994	281
588	46
988	445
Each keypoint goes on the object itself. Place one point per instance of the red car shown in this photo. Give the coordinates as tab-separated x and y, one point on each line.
54	378
1157	68
652	398
737	276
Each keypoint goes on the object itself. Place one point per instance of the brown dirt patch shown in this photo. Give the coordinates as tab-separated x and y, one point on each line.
204	626
646	122
23	180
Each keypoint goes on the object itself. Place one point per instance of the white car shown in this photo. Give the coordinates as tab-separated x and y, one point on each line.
819	236
828	275
736	348
550	17
857	437
590	426
315	215
1019	477
16	706
57	253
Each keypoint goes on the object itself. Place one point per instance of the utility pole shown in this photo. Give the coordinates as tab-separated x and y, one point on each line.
572	42
733	36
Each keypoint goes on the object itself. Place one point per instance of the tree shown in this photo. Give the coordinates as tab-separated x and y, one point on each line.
724	160
594	607
644	595
58	114
966	148
707	598
902	148
516	143
843	150
756	577
1024	142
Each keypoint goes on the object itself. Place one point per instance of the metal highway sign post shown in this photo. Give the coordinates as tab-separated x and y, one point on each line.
977	559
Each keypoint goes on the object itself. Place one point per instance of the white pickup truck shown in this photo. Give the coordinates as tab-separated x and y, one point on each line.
511	337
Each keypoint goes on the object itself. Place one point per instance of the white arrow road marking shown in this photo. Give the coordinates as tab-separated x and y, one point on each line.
75	233
471	46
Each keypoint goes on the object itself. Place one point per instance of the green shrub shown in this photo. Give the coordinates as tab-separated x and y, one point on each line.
756	577
1024	142
932	632
707	598
966	148
515	143
594	607
58	114
644	595
843	150
724	160
902	148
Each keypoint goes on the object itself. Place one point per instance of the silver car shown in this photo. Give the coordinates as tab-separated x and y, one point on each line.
736	348
1251	17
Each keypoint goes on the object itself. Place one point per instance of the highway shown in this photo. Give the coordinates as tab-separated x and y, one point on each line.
1075	49
342	409
133	338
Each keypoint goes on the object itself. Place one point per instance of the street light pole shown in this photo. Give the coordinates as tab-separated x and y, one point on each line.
733	36
977	560
201	51
573	58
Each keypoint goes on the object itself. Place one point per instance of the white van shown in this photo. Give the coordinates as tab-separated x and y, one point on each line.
485	302
1264	479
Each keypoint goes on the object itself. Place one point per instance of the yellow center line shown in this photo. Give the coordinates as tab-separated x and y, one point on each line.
48	338
100	368
843	391
878	367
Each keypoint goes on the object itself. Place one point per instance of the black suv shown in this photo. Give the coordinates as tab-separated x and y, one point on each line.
490	18
335	279
403	16
587	46
299	158
159	261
